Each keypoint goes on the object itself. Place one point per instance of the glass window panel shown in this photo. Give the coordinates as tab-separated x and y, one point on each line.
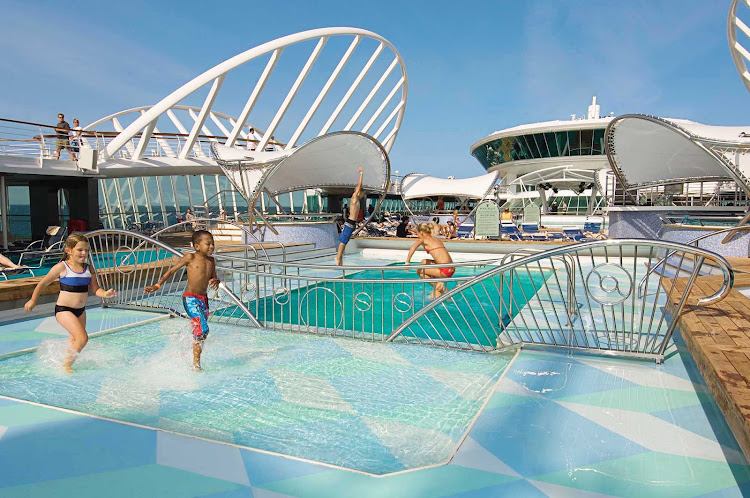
552	144
587	139
598	142
127	200
541	144
299	199
196	191
561	138
183	201
531	152
139	195
211	197
574	141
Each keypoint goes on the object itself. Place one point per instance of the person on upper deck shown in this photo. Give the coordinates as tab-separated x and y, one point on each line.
62	137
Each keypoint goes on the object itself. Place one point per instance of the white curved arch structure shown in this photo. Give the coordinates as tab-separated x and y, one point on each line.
737	32
646	151
380	118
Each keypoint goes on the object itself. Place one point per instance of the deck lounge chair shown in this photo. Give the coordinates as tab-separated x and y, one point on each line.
575	234
532	230
511	232
464	231
593	230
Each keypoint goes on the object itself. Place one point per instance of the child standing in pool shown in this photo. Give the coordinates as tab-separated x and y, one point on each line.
77	277
350	223
201	273
434	247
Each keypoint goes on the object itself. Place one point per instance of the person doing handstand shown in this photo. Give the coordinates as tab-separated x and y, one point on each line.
201	274
350	223
77	277
433	246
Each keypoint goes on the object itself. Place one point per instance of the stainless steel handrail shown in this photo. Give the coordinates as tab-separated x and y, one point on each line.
619	323
129	275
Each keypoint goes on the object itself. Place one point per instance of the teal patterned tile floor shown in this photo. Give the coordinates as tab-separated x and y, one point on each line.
555	426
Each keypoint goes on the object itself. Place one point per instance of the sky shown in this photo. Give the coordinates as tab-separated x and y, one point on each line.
473	67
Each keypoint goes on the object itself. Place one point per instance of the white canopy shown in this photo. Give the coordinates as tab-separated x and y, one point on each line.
418	185
644	150
329	161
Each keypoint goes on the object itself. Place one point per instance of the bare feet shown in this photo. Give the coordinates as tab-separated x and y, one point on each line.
338	260
439	289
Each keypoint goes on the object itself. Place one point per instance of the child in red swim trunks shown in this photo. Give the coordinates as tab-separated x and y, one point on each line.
201	272
440	255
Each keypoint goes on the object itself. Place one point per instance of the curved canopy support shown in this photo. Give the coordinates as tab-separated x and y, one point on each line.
646	151
736	31
377	114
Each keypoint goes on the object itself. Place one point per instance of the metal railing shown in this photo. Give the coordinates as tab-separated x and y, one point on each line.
37	140
129	261
582	297
613	317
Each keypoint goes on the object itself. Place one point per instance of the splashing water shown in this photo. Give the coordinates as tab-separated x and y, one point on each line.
370	406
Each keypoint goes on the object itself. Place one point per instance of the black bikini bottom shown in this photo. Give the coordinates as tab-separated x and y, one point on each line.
76	311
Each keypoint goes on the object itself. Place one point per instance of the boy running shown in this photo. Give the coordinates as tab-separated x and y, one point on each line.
201	273
351	222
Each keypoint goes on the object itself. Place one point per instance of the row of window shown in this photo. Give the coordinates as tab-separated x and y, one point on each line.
541	145
124	202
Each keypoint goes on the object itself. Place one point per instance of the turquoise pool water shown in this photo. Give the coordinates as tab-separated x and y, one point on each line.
376	309
377	408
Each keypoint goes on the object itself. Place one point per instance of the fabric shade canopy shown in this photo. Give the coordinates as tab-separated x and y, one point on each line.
329	162
418	185
644	150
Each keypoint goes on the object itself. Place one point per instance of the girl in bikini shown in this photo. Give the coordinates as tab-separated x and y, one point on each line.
76	279
439	253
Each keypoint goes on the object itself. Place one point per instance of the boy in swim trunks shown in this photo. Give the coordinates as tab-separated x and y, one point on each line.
201	273
351	222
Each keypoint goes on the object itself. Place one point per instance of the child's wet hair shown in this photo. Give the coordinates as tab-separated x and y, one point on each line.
426	227
199	234
72	241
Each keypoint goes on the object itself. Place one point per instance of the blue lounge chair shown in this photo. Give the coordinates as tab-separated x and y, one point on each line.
532	230
575	234
512	232
464	231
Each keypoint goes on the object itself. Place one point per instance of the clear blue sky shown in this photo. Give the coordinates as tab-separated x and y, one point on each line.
474	67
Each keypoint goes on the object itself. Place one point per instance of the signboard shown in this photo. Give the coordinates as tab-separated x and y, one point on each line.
487	220
532	214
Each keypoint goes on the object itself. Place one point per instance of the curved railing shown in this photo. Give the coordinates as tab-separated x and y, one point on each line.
532	309
581	296
129	261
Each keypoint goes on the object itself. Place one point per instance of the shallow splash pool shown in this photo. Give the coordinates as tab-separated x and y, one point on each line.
372	407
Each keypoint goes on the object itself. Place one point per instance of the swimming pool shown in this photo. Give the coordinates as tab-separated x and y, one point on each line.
375	408
369	305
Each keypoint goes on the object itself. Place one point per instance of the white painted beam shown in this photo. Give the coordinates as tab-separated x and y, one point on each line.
323	92
292	92
370	95
209	102
261	83
355	84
